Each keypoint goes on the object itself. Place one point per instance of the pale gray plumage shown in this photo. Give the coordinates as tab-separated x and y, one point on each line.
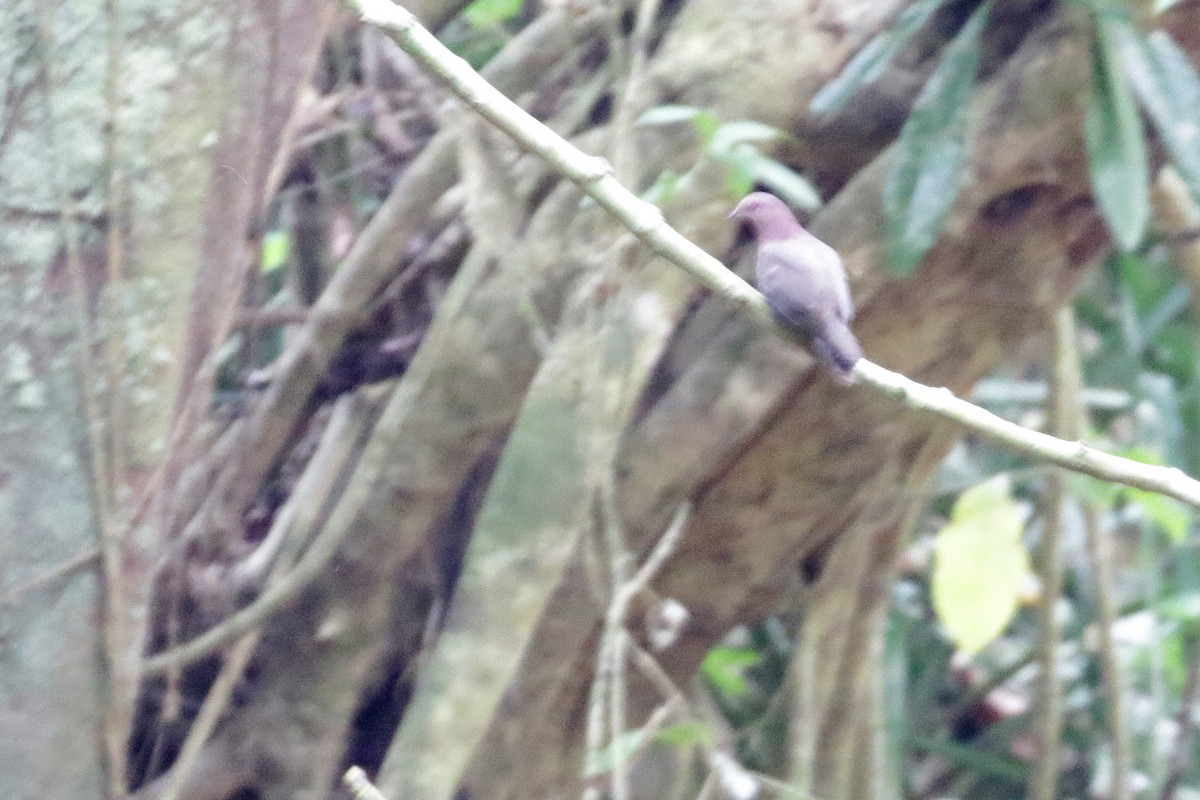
804	282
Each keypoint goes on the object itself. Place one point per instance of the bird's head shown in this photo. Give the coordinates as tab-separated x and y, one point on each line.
767	214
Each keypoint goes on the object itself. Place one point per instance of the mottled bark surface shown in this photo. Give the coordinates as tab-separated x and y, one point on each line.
105	164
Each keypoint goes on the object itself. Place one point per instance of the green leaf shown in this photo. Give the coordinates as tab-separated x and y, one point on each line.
792	187
618	750
981	565
1095	492
276	246
705	121
668	115
746	131
723	666
987	766
869	62
1169	306
1184	607
1166	512
926	169
1174	352
690	732
664	189
1142	454
740	178
1116	141
1169	89
485	13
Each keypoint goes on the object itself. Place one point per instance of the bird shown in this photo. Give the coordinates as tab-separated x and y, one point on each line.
804	282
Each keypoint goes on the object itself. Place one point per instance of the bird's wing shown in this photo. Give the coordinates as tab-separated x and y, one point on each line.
826	258
800	281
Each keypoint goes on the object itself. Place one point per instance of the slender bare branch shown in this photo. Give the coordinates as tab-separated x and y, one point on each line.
594	176
1066	416
84	559
210	712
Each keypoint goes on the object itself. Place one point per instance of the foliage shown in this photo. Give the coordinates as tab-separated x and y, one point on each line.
1116	142
1129	68
482	13
724	667
276	245
618	751
927	168
1169	89
735	145
869	63
480	33
982	567
958	637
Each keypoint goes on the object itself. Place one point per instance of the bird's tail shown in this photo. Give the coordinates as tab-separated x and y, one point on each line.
838	350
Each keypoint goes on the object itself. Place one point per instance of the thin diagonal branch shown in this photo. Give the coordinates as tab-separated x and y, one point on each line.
594	176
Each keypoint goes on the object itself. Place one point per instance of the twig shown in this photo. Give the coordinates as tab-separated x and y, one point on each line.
594	177
290	572
1071	455
210	711
612	649
115	354
650	728
1100	558
99	432
116	358
608	687
70	565
655	673
278	594
593	743
1064	394
661	552
638	52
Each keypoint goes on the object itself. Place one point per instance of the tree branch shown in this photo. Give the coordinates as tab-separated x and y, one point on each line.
594	176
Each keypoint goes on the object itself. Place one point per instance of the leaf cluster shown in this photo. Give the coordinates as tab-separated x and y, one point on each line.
1135	74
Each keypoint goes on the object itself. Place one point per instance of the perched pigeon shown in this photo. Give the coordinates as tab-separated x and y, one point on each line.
804	282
